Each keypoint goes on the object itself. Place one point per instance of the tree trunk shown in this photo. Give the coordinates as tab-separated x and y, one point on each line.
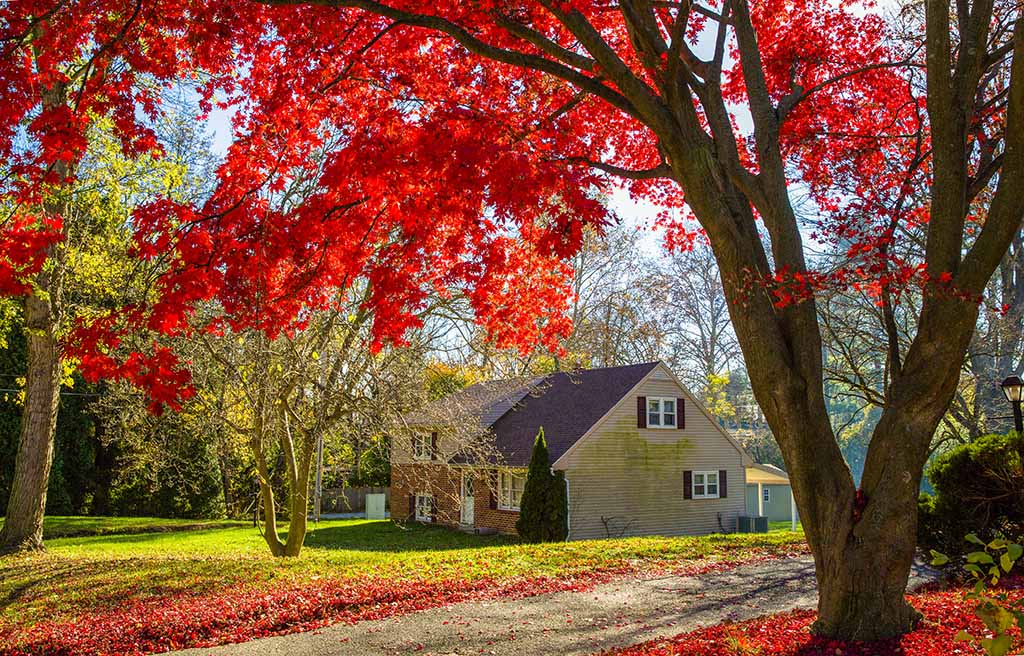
300	497
862	580
23	527
267	501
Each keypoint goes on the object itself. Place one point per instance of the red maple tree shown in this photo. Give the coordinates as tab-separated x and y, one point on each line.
481	133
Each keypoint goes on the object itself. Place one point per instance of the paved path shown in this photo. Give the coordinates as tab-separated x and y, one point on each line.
564	623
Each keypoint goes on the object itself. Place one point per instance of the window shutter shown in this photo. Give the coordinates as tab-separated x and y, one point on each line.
493	489
680	413
412	447
723	484
412	505
641	412
433	445
687	484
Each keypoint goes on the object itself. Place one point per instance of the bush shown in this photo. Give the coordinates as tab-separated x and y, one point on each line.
543	509
977	490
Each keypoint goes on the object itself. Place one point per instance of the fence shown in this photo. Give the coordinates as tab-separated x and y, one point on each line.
350	499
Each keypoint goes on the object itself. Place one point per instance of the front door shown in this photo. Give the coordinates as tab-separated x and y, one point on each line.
467	497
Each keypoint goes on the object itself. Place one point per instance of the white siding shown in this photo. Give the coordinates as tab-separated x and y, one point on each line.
633	477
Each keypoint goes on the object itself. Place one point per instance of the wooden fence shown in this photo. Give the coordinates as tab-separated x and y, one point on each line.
350	499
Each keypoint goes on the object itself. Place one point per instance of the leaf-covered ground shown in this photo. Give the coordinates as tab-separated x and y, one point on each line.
788	634
152	592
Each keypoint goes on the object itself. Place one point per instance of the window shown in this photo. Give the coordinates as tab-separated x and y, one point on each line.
767	494
424	508
422	446
511	486
661	412
705	485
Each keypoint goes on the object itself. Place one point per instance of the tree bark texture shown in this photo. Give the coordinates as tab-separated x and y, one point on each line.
23	526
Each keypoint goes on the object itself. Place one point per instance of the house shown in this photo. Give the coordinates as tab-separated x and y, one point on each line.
769	494
641	455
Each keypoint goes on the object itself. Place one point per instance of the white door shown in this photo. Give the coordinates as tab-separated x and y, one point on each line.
467	497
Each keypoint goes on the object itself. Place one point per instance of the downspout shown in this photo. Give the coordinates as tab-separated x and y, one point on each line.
568	510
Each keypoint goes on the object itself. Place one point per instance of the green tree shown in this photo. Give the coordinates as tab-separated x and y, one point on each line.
542	510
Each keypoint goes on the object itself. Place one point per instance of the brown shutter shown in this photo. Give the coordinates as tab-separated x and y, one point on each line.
641	412
433	445
687	484
493	489
412	506
680	413
723	484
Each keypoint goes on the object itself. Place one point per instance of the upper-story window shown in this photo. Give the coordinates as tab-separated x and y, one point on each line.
422	446
661	412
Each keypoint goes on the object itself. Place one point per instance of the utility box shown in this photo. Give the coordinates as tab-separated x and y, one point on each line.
745	524
375	506
760	525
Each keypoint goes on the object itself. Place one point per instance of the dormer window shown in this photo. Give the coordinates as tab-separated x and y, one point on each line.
423	446
661	412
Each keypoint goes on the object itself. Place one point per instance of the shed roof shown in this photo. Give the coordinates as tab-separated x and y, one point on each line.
762	473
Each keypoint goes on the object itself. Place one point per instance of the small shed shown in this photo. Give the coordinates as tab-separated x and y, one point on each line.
769	494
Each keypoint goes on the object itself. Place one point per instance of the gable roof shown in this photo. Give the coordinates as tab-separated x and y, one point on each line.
691	400
566	404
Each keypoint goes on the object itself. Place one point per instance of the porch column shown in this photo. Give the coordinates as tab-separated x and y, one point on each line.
760	499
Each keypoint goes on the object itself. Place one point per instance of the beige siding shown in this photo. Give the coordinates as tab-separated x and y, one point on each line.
633	478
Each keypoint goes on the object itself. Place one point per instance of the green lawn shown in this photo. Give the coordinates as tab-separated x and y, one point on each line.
68	527
78	575
785	526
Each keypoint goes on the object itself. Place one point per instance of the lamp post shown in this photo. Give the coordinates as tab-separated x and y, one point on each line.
1013	389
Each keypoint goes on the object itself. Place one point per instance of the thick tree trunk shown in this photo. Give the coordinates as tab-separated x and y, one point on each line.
862	580
23	527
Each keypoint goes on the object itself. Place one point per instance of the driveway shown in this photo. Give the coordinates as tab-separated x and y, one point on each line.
566	623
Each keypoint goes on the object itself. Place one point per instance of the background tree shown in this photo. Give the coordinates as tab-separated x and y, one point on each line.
613	287
92	270
700	341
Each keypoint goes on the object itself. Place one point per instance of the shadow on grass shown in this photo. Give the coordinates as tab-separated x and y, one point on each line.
386	536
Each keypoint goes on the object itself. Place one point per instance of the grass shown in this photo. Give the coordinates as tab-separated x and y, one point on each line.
84	574
785	525
69	527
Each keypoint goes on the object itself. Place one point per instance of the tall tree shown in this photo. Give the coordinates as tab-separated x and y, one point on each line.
625	89
64	68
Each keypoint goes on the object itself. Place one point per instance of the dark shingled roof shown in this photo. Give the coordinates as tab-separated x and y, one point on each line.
485	402
566	404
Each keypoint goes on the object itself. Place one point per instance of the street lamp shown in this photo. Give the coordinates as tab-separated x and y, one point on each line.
1013	388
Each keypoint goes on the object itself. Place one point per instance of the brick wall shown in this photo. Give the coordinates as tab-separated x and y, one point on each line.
445	484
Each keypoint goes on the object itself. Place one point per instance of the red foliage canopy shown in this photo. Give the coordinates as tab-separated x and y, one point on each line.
442	170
